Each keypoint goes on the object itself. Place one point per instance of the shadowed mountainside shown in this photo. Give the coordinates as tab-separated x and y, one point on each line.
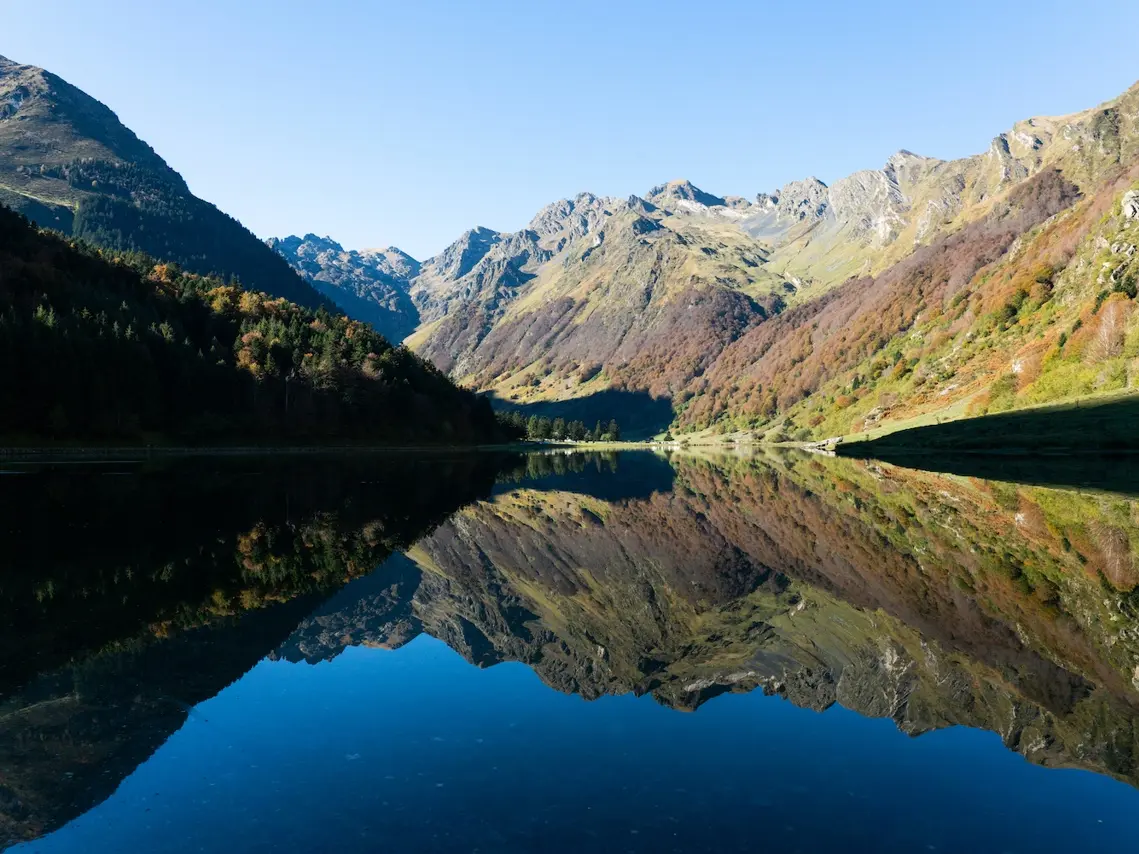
640	414
134	352
1092	427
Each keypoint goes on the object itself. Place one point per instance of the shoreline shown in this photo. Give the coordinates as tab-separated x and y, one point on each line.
47	453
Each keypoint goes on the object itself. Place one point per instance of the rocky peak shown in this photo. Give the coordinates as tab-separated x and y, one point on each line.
870	204
371	285
309	245
797	201
642	206
393	259
1009	168
323	259
573	218
683	194
460	257
906	168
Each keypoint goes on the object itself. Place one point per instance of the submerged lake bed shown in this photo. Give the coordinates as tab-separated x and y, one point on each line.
601	651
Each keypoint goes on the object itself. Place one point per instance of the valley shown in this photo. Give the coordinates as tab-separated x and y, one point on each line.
569	427
924	291
928	288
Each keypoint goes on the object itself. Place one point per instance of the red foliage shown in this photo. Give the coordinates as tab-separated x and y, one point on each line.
792	355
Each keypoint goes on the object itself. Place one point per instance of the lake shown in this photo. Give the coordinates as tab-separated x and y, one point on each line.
634	651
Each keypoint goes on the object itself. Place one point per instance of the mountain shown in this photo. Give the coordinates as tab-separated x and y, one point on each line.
926	286
595	293
129	349
925	289
370	285
68	163
1030	301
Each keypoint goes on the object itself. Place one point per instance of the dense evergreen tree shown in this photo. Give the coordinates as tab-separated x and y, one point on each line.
118	347
539	428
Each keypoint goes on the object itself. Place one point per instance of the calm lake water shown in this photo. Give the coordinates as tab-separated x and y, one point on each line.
584	652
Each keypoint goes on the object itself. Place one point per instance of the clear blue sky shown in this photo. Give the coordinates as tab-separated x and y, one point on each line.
407	122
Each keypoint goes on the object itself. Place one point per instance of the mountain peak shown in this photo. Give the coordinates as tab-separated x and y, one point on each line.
683	190
479	232
572	218
460	257
806	199
64	124
903	161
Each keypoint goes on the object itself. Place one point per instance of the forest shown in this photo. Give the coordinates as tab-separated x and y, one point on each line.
116	347
132	208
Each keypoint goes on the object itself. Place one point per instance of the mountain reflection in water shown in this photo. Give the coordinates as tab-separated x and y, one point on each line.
134	593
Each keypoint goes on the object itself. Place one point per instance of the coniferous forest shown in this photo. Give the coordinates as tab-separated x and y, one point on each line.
137	209
105	346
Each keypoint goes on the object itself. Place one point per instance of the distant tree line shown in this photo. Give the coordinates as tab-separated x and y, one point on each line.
540	428
114	346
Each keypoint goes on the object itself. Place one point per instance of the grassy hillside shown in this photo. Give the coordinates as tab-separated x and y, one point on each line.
844	338
1034	304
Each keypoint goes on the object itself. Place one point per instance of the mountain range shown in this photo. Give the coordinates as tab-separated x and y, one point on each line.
924	290
927	287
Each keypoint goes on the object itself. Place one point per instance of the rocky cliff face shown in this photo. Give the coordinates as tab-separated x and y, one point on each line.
865	222
370	285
